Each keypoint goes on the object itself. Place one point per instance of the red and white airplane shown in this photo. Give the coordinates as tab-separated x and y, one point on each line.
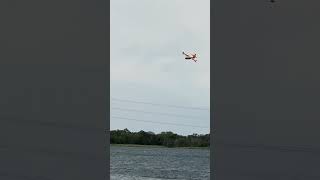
190	56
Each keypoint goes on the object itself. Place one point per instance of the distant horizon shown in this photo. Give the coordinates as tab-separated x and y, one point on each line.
159	132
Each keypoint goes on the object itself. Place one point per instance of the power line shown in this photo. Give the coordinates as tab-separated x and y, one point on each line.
175	124
156	104
160	113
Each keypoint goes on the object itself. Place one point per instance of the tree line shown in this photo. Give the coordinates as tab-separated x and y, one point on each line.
168	139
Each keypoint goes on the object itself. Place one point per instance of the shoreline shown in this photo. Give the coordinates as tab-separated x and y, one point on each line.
156	146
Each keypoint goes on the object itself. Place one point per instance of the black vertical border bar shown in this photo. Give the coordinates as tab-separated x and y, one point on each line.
108	87
43	55
266	111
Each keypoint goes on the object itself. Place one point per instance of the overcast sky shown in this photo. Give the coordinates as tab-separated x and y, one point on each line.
147	65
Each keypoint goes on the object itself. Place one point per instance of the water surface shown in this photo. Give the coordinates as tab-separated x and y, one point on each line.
156	163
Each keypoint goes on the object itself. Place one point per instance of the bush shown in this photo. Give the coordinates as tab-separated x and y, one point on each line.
168	139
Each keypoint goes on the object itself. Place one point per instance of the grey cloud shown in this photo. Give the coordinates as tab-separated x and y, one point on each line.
147	39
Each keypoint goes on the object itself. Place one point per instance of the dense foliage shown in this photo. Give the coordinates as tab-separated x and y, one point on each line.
168	139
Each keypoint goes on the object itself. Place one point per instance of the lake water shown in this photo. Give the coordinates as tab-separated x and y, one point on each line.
153	163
